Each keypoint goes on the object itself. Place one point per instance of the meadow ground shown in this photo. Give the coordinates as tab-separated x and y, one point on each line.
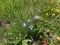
29	20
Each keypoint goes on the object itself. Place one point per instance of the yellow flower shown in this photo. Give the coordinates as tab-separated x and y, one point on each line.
53	15
46	14
41	18
58	38
58	10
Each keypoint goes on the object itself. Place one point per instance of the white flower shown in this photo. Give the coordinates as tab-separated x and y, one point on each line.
31	27
23	25
36	17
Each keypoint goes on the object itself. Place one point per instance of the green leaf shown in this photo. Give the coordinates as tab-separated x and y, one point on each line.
52	43
24	42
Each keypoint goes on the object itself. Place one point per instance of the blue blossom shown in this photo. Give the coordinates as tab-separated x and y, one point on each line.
28	20
54	37
36	17
31	27
23	24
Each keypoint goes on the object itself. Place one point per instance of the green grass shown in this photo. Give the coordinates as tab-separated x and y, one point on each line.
17	12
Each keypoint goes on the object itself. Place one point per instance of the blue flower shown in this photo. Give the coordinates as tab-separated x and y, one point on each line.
36	17
28	20
54	37
31	27
23	24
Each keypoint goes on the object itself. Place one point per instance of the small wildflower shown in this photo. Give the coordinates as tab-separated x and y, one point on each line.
23	25
28	20
45	43
58	38
31	27
36	17
54	37
53	15
46	14
58	10
41	18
